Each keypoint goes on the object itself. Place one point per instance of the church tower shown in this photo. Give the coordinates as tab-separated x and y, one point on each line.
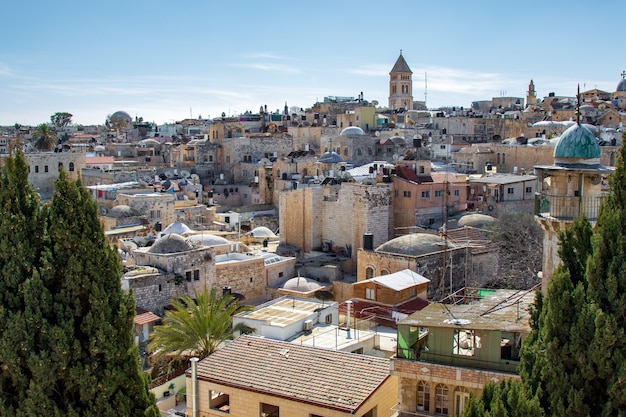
531	96
401	85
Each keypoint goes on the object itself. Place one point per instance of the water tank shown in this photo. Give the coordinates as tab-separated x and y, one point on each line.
158	227
226	290
368	241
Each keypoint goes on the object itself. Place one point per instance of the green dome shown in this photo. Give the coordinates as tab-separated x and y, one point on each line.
577	142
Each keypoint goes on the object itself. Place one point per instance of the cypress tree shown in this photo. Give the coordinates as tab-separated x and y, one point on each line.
81	359
574	360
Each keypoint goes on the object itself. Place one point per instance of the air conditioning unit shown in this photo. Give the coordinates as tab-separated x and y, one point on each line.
307	325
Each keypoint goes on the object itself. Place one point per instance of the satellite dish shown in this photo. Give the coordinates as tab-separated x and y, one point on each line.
184	173
374	103
168	173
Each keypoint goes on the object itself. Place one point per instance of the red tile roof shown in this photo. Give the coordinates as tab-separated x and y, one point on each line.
326	378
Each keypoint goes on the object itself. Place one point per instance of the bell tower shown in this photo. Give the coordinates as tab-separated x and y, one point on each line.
401	85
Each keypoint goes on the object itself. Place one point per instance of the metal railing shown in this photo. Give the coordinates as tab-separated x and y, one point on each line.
567	207
501	365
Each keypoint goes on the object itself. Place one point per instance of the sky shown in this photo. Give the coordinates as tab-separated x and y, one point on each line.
170	60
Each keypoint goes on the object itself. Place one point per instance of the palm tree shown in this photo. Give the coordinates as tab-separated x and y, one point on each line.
44	137
197	326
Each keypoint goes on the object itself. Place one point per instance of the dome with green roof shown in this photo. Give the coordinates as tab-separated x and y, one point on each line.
577	142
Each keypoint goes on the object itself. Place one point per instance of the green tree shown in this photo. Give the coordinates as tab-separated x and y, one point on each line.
574	360
196	327
44	138
67	348
504	399
61	119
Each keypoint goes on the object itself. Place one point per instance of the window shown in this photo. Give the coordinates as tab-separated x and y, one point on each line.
155	214
423	396
529	189
328	319
438	193
464	343
345	151
196	275
369	272
461	397
280	275
395	193
188	276
36	168
406	194
370	293
425	194
268	410
210	158
60	166
441	399
372	413
160	288
71	166
510	190
457	193
219	401
45	168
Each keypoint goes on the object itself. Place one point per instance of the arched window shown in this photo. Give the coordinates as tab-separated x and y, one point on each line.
441	399
461	397
384	272
423	396
60	166
71	166
369	272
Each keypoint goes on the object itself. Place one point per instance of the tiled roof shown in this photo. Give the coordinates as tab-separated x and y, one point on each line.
327	378
400	66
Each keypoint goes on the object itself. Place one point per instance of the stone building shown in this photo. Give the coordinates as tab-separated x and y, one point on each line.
170	267
255	376
336	216
401	85
448	351
44	169
434	257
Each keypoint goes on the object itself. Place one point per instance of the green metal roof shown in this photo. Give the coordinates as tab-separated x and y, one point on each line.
577	142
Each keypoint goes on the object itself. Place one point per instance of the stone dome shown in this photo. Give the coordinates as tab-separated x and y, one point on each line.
208	239
170	243
330	158
415	244
621	86
177	227
301	284
122	115
122	211
261	232
476	220
577	142
352	131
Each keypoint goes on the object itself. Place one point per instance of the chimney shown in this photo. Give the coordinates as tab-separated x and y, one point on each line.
194	387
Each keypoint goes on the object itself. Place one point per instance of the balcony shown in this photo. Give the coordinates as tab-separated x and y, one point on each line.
468	362
567	207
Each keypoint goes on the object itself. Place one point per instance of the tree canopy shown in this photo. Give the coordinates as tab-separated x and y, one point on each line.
66	339
44	137
61	119
196	326
574	360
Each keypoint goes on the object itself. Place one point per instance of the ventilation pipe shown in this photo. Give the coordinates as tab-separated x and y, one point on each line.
194	387
348	305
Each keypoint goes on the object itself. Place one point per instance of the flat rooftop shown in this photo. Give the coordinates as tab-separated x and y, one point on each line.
505	310
284	311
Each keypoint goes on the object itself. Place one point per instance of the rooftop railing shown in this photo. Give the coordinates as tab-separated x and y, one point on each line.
567	207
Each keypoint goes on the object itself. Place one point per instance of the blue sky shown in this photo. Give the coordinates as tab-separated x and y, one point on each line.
167	60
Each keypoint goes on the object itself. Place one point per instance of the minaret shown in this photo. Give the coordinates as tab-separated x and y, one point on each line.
401	85
568	189
531	96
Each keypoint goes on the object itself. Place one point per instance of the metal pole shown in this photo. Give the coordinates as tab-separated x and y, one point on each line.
194	387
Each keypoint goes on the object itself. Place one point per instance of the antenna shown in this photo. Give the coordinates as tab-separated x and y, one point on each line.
578	105
426	90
